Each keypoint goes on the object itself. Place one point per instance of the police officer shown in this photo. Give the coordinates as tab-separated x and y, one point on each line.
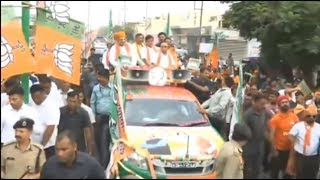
22	159
229	162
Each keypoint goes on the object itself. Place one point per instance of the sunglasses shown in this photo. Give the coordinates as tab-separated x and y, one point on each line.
309	116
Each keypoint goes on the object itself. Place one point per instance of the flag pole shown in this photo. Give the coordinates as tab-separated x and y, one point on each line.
26	32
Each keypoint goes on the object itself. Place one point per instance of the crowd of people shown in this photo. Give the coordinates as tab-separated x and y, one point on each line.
279	132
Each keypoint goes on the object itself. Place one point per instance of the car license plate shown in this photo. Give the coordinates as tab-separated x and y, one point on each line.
181	164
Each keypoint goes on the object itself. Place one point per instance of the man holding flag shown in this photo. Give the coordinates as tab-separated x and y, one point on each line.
239	99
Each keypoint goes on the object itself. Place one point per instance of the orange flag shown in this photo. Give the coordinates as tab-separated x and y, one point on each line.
213	57
16	56
58	44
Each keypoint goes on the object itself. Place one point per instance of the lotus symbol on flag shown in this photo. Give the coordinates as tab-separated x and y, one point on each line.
59	10
6	53
62	57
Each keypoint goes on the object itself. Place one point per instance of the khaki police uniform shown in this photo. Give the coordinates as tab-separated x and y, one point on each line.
229	163
15	162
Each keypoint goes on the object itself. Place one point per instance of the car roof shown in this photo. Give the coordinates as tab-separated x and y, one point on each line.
159	92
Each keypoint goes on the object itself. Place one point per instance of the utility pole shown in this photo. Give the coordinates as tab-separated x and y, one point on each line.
146	10
201	10
201	18
124	13
146	19
87	34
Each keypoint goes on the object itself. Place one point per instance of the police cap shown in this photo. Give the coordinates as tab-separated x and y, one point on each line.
24	123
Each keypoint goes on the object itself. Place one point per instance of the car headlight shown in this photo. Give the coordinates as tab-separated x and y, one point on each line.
137	160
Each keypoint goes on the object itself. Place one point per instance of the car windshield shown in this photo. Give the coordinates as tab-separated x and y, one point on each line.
162	112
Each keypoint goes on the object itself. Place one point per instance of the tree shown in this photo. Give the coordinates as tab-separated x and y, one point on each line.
288	30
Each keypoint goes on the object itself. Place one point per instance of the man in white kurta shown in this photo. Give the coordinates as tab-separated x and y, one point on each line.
164	59
105	57
151	50
139	52
121	51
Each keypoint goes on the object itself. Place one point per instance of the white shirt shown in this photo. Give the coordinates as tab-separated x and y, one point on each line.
123	52
54	86
4	99
164	61
104	59
64	96
49	114
90	112
230	109
10	116
299	131
153	54
282	92
54	96
135	54
217	104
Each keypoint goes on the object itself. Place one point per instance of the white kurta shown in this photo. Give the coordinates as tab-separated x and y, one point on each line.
138	53
164	61
153	54
104	59
123	53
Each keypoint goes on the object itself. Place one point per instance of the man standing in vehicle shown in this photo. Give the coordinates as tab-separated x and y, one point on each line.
121	52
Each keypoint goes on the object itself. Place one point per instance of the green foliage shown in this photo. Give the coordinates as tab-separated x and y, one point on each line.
288	30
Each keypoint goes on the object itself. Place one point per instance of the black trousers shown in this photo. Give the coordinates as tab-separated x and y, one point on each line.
266	161
102	139
227	131
253	155
307	166
279	163
219	125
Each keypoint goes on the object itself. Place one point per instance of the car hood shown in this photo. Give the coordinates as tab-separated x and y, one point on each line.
176	141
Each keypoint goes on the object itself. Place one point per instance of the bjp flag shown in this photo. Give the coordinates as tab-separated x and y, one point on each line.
58	45
16	56
214	58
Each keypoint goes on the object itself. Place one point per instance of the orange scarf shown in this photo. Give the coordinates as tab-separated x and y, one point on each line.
159	59
172	50
126	45
307	137
138	46
148	54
